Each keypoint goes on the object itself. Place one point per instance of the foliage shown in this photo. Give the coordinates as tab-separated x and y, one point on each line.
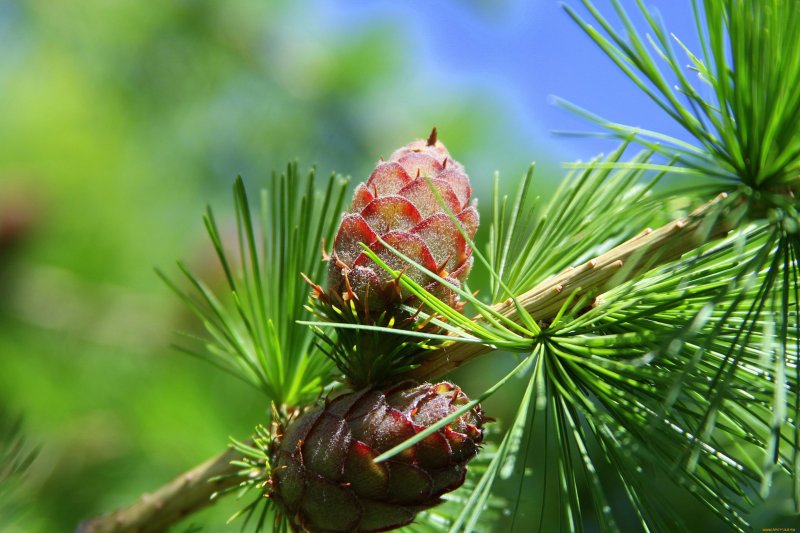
747	58
690	370
120	121
681	372
16	457
261	340
654	376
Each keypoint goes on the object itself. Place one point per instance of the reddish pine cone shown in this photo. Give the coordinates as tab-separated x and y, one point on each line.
324	478
396	204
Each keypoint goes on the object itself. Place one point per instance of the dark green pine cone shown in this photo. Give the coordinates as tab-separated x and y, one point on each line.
324	478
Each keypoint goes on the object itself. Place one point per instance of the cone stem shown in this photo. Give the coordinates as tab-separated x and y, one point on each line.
192	490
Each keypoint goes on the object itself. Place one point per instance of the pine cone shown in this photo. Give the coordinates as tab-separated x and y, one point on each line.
397	204
323	475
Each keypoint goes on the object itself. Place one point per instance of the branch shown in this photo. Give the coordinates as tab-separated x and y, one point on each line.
651	248
184	495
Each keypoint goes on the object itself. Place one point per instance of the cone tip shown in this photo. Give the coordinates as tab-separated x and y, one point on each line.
432	137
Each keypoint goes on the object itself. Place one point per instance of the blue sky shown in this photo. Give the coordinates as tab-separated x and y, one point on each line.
525	51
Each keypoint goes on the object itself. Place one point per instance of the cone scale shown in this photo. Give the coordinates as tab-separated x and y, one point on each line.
398	205
324	478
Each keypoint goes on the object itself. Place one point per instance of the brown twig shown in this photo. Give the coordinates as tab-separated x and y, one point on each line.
192	491
157	511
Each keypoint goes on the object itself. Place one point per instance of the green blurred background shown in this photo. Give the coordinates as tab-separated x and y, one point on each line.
120	120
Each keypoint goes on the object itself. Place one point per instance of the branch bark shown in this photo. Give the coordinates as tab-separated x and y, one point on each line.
651	248
184	495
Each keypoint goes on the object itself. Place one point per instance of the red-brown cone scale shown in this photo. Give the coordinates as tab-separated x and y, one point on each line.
397	205
324	478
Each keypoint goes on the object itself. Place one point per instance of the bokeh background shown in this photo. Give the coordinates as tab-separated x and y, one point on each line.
120	121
